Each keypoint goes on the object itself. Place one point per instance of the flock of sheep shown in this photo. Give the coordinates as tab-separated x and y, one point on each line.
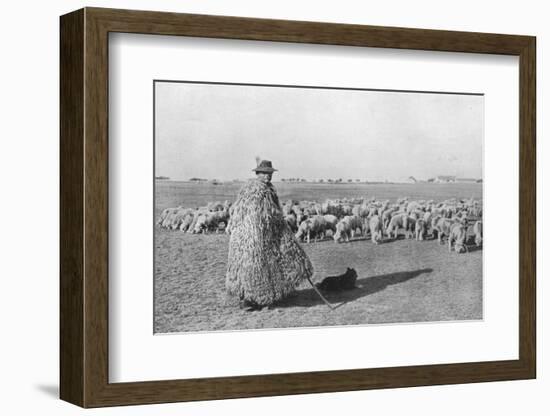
343	219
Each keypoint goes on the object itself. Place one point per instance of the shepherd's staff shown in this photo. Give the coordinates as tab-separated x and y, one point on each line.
320	294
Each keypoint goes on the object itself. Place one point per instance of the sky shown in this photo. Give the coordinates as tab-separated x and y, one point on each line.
215	131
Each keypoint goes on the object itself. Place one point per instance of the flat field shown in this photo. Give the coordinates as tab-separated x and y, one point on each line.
398	281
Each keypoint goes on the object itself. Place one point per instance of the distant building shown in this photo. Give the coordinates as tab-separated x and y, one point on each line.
466	180
445	179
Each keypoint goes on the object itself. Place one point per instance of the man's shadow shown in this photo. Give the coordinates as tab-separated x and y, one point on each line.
364	287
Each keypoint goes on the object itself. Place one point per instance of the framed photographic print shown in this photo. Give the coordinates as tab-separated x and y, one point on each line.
255	207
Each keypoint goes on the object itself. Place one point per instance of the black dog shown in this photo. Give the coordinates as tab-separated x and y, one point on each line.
339	283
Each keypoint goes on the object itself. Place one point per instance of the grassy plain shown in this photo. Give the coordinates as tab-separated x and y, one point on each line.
398	281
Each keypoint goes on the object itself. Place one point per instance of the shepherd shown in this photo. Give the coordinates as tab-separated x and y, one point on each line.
265	262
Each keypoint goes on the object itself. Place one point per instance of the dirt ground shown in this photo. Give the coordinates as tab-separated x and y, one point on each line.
398	281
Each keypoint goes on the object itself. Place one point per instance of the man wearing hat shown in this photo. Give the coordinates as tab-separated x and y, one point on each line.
265	262
264	171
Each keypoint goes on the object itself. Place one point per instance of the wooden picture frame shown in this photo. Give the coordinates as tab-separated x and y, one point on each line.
84	207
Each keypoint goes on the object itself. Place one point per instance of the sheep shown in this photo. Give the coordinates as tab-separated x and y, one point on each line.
457	234
420	229
478	232
400	220
165	213
209	221
314	226
187	221
331	221
346	227
375	227
443	227
178	217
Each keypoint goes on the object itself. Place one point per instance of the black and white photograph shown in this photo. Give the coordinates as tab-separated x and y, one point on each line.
283	207
289	206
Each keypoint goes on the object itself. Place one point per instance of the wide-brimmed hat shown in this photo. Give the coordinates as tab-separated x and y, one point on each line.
265	167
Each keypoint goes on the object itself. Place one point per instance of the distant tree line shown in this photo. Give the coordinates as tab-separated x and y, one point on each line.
294	180
329	180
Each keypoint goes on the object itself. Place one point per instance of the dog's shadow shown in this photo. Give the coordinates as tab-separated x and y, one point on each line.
364	287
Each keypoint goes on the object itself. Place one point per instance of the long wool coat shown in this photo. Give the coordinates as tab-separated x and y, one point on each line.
265	262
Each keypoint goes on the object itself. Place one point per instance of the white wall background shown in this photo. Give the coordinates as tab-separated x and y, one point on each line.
29	210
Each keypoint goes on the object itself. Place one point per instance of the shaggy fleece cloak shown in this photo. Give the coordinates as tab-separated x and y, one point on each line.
265	261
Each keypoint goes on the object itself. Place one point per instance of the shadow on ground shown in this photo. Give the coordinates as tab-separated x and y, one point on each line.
473	247
365	286
49	390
